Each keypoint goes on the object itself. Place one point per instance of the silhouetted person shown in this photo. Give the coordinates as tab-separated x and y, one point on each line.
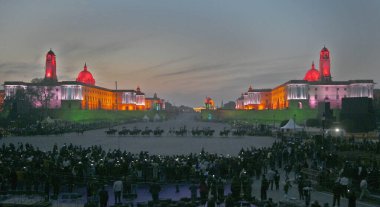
193	191
103	197
336	194
351	198
117	189
154	190
264	188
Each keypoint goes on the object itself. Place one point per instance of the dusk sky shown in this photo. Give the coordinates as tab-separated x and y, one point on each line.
187	50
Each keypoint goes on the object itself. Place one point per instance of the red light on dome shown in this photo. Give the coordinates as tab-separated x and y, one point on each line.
85	77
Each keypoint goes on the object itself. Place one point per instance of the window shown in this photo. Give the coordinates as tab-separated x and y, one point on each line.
327	88
345	89
337	89
316	89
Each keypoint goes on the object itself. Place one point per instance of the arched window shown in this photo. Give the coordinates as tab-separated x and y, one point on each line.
300	105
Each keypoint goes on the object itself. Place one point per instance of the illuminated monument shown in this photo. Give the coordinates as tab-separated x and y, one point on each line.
51	67
316	88
82	93
324	65
85	76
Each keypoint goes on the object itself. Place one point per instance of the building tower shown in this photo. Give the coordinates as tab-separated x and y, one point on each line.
324	65
50	67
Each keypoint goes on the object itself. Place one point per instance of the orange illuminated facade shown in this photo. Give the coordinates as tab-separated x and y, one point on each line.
97	98
154	103
279	100
83	93
255	99
209	104
316	88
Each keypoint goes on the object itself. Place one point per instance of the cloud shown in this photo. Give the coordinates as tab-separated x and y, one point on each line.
195	69
166	63
18	67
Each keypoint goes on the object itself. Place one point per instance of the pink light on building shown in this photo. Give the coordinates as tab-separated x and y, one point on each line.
50	67
324	64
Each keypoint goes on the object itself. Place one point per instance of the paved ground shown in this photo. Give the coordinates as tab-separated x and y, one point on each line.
166	144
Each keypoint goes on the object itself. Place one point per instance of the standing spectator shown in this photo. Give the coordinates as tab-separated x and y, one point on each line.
235	187
287	187
203	191
220	189
307	195
264	188
277	180
117	190
155	189
103	197
351	198
364	189
301	184
344	185
193	191
271	175
336	192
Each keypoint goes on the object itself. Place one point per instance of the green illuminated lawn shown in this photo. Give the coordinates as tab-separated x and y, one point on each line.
77	115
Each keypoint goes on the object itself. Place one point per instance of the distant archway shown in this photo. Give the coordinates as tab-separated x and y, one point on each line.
300	105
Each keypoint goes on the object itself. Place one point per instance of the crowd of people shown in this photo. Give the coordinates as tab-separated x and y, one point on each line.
25	167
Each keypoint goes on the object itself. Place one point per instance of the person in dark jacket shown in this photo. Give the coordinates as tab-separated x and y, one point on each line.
155	189
103	197
351	198
336	194
264	188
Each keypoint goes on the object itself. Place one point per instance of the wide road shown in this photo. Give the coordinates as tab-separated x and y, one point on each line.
165	145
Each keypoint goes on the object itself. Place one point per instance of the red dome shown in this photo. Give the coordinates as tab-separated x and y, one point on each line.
312	75
85	77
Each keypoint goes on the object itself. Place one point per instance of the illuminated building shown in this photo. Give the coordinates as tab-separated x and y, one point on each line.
324	64
317	87
50	67
209	104
154	103
2	96
254	99
82	93
312	75
86	77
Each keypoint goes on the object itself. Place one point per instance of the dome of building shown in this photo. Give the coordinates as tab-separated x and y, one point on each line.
312	75
85	76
